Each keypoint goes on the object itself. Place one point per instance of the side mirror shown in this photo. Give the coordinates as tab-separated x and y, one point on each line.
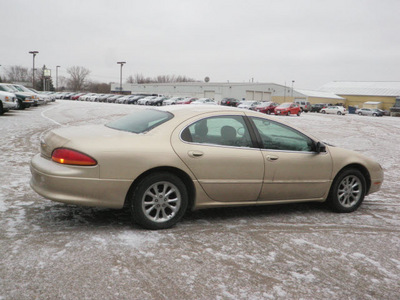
320	147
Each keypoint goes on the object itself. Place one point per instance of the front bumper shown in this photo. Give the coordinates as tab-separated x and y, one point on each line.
76	185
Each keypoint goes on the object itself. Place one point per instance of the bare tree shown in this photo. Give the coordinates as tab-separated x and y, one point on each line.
18	74
78	76
140	79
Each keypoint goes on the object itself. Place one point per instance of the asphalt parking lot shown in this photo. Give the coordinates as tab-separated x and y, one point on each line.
50	250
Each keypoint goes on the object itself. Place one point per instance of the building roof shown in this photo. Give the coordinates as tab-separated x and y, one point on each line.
319	94
364	88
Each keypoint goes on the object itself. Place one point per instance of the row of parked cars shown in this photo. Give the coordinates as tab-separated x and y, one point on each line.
16	96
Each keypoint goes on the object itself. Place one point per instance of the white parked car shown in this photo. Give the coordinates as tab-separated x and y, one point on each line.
337	110
207	101
248	104
172	101
370	112
146	100
7	101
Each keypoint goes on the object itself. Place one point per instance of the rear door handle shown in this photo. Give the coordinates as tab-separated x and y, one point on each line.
194	153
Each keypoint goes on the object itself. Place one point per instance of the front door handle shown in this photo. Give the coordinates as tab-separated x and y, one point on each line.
272	157
194	153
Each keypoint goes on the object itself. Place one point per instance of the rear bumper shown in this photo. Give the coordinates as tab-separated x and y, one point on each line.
76	185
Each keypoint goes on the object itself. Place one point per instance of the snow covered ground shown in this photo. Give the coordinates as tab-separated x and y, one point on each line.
299	251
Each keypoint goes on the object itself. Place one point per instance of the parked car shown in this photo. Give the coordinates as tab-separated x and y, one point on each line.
134	99
24	100
172	101
114	98
370	112
337	110
7	101
266	107
146	100
157	101
304	105
317	107
248	104
230	102
204	101
161	162
42	97
287	109
187	100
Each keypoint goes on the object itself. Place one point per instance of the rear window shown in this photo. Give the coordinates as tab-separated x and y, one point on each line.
141	121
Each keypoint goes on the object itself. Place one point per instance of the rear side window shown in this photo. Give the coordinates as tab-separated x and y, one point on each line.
221	130
141	121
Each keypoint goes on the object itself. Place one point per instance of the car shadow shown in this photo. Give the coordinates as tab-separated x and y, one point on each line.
68	216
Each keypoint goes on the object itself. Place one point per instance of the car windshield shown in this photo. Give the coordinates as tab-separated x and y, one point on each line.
9	88
141	121
285	105
23	89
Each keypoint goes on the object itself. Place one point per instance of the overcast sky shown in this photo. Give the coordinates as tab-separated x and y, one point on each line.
310	41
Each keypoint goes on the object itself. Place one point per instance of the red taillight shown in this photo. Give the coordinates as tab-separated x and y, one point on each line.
72	157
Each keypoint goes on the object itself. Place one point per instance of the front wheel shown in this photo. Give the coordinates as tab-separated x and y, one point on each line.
348	191
20	105
159	201
324	112
288	113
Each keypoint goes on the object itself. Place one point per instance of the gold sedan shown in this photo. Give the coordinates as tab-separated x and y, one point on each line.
163	162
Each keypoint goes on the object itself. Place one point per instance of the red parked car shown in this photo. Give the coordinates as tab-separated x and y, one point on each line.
287	109
266	107
187	100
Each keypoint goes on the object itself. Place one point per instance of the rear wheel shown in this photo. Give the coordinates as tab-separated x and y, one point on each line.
324	112
348	191
339	113
1	108
159	201
288	113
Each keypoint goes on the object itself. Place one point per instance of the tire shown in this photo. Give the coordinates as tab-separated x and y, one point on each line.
339	113
1	108
20	105
268	112
360	114
347	191
159	201
288	113
324	112
374	115
298	114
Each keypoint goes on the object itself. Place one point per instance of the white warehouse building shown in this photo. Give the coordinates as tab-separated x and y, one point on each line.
216	91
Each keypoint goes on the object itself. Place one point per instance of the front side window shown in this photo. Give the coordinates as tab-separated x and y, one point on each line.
221	130
276	136
141	121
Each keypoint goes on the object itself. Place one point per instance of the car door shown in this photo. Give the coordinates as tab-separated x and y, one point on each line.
293	171
218	150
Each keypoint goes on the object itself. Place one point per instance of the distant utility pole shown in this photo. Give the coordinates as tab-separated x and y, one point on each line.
120	76
33	69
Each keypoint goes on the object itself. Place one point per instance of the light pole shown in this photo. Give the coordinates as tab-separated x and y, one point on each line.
57	77
292	87
120	76
33	69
